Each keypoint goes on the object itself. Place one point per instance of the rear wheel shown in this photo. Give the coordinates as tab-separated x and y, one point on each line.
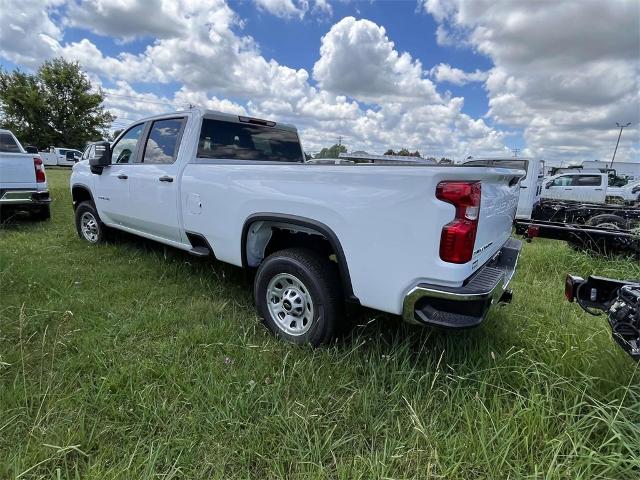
298	295
88	223
608	221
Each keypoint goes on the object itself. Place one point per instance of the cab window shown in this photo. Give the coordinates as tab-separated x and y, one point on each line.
124	149
563	181
245	141
587	181
163	141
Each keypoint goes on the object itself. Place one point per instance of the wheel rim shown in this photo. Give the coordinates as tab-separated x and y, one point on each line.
609	225
290	304
89	227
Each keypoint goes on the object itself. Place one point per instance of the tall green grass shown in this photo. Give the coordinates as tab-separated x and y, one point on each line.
132	360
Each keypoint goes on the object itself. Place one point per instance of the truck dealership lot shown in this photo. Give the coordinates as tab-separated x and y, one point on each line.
135	360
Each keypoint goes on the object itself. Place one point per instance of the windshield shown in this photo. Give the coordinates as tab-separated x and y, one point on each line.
241	141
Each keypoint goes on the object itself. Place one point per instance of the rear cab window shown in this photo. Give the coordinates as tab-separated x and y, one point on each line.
587	181
247	141
8	144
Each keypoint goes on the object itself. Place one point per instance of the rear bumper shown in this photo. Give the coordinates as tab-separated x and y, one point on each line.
465	306
24	197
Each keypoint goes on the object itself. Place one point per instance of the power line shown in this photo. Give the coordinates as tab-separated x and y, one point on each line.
515	151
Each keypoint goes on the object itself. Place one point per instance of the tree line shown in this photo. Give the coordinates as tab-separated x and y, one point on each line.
56	105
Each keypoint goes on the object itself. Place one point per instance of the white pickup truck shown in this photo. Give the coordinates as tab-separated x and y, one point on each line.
588	187
60	156
23	182
432	243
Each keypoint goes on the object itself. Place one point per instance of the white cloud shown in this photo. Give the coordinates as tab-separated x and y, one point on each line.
284	8
323	6
446	73
294	8
128	19
27	33
564	72
201	52
358	59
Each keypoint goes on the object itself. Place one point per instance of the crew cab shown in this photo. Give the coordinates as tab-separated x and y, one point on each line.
431	243
23	182
577	187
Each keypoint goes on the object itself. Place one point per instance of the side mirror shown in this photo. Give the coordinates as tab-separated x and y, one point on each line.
31	149
101	155
547	186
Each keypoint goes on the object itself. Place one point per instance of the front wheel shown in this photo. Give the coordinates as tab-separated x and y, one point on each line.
88	223
297	293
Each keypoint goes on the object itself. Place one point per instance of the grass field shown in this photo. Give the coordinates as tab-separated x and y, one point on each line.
132	360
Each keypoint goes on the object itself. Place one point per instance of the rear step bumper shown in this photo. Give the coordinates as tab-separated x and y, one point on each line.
24	197
465	306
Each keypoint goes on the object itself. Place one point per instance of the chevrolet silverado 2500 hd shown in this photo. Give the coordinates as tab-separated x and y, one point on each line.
429	242
23	183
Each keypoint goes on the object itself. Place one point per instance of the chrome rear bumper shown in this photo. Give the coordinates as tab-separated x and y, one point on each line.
465	306
24	197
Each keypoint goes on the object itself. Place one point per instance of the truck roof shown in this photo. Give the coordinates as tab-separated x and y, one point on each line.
225	117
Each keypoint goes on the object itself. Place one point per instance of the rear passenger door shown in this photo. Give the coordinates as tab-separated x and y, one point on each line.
589	188
154	182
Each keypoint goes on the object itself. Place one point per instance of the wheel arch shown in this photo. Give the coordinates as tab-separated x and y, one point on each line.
80	193
304	225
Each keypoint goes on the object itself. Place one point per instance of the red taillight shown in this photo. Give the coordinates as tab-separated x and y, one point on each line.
39	167
533	231
459	236
571	285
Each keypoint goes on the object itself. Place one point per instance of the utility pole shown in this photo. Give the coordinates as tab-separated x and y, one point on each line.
621	127
515	152
339	140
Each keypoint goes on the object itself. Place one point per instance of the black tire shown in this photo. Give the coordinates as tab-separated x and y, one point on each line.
302	274
607	220
44	213
85	211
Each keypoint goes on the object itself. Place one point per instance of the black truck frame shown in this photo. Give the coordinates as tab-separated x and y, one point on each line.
619	299
603	228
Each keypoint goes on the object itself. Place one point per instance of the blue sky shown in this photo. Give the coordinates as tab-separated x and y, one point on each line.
448	77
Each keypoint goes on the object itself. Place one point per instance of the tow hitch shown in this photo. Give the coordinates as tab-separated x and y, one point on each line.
506	296
618	299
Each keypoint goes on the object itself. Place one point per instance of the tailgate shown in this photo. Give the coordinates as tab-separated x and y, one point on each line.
17	170
498	206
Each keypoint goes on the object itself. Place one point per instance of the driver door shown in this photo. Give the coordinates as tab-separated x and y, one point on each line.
559	189
112	186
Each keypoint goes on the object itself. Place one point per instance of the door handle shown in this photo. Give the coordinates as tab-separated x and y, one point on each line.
568	189
598	189
166	178
122	176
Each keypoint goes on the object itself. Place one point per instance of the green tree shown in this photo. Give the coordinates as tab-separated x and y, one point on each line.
403	153
55	106
333	151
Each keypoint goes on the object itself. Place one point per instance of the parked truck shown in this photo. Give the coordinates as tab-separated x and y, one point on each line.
23	182
62	157
431	243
